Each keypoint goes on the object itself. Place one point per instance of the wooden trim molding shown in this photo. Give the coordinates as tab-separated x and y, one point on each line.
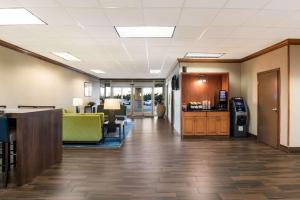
276	46
289	149
289	95
266	50
43	58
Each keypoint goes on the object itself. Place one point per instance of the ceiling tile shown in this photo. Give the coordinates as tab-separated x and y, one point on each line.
79	3
89	16
161	16
204	3
255	4
233	17
102	32
125	16
9	3
121	3
267	18
163	3
291	20
249	32
158	41
188	32
197	17
283	5
53	16
219	31
37	3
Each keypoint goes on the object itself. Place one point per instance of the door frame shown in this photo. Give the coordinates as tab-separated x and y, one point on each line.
278	102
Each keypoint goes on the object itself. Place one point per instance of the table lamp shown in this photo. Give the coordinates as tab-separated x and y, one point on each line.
111	105
77	102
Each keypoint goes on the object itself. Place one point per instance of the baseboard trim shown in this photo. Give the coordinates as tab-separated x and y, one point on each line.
284	148
252	135
289	149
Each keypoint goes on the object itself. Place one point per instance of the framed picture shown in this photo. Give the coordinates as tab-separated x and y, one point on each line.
88	88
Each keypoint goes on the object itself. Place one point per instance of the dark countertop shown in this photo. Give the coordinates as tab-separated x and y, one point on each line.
212	110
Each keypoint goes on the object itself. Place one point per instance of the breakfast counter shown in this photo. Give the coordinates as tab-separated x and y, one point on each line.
205	123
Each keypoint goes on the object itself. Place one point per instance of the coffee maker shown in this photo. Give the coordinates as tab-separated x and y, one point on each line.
222	100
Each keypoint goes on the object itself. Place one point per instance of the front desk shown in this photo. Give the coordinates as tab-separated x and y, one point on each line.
38	140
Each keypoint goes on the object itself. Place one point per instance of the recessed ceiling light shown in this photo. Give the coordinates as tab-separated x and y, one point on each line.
204	55
145	31
97	71
15	16
155	71
66	56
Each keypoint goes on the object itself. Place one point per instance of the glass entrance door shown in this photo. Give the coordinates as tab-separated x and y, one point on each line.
124	94
138	101
148	101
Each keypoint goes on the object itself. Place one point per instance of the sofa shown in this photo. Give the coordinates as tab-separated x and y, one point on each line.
83	128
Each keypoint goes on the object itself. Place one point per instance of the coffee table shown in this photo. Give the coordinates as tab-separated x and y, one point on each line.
118	123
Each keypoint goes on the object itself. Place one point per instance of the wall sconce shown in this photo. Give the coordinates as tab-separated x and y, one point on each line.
202	79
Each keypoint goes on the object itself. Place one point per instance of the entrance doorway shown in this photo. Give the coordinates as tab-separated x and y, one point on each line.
268	112
138	101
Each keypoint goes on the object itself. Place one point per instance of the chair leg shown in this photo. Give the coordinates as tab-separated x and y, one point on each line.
8	155
15	153
3	157
6	164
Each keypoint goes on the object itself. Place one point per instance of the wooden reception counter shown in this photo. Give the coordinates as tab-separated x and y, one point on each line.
39	141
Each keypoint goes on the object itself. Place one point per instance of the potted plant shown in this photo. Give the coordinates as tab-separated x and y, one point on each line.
161	109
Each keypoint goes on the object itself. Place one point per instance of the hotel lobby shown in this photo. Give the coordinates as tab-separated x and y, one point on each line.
149	99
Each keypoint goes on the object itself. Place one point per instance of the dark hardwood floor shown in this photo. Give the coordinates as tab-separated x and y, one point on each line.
154	164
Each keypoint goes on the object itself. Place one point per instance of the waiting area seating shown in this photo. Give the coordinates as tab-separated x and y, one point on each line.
120	114
83	128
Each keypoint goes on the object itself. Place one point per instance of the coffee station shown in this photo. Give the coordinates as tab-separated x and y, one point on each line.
205	104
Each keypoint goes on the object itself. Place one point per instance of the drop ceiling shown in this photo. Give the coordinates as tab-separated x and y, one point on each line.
85	28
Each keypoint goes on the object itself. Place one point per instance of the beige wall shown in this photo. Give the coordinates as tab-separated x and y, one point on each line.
25	80
294	95
234	70
249	70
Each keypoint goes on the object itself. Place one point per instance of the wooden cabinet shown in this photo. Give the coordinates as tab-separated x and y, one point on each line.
213	125
200	126
205	123
188	125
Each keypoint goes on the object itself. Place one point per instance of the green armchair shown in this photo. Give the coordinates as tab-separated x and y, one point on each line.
85	128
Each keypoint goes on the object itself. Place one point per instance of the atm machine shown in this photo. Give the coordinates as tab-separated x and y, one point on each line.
239	117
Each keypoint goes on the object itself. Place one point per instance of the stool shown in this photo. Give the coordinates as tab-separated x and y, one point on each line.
7	138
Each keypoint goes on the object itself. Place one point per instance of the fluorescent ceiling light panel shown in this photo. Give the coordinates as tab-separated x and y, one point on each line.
145	31
204	55
154	71
97	71
66	56
17	16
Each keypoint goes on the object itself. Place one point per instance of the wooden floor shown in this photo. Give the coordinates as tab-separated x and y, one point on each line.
154	164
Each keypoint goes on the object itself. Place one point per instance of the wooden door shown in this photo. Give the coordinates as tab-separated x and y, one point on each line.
268	108
188	125
200	126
